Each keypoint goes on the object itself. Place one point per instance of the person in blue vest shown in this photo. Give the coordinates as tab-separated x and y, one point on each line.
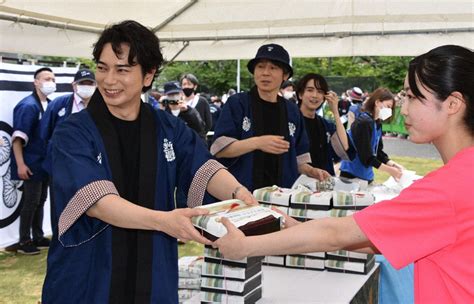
61	107
116	167
366	134
328	140
260	136
29	151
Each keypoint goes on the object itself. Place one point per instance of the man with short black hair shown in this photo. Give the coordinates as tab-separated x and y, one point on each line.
29	151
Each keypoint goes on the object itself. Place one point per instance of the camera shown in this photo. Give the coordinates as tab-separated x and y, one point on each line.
170	101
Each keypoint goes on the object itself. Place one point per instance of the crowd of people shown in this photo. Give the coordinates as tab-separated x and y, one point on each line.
124	175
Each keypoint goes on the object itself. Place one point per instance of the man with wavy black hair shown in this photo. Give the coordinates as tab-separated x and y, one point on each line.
116	167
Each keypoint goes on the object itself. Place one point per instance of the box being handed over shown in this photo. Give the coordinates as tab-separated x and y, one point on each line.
252	220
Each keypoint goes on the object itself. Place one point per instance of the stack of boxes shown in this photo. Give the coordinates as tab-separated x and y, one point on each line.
352	200
349	262
275	196
304	206
320	202
344	204
280	199
189	284
233	281
230	281
307	205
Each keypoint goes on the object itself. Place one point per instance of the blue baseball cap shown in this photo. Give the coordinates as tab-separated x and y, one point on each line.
84	74
172	87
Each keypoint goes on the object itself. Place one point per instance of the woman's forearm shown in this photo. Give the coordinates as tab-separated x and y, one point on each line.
320	235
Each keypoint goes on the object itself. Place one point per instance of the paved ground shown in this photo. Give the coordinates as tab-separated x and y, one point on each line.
404	147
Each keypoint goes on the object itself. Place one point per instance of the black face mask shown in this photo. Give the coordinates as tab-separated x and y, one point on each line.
188	91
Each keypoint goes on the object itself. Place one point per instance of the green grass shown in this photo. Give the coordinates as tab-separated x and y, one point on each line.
190	248
22	277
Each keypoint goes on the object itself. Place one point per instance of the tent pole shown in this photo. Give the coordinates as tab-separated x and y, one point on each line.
54	24
172	17
185	45
438	31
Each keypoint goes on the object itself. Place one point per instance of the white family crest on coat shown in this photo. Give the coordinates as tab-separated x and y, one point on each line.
291	128
62	112
39	116
99	158
168	150
246	124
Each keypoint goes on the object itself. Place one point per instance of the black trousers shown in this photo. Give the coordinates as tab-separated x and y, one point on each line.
31	215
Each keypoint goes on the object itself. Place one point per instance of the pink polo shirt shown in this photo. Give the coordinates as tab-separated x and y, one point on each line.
431	223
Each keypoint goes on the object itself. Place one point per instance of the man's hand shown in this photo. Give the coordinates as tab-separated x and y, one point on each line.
177	223
273	144
244	195
318	174
183	107
24	172
231	245
332	101
289	221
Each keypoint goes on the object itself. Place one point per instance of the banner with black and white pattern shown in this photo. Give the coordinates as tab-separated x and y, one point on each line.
16	82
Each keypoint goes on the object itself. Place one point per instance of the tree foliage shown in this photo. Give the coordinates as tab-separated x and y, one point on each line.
217	77
214	76
392	71
342	72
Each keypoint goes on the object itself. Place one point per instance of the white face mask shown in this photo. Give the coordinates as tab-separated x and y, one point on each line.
288	95
175	112
385	113
48	87
85	91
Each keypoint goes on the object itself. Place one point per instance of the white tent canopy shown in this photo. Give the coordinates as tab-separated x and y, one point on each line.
226	29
